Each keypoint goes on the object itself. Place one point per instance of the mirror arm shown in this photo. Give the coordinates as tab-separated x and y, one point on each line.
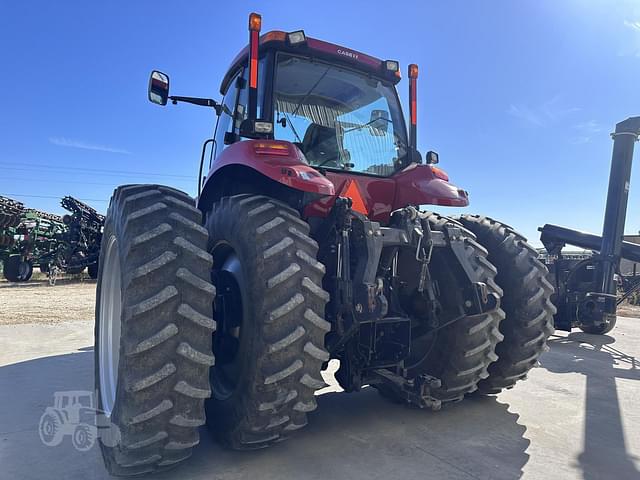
203	102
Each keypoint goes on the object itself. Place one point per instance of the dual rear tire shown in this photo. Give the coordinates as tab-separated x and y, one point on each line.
526	302
269	345
153	329
161	352
489	353
460	353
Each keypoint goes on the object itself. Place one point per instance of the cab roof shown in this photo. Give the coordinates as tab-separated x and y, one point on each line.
277	40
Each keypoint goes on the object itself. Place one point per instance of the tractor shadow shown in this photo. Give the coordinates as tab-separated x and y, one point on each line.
353	436
364	436
595	357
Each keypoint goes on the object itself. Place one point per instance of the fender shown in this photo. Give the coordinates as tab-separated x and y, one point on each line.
414	185
427	185
263	160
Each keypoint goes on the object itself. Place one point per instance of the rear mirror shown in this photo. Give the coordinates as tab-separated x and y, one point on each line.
379	122
158	88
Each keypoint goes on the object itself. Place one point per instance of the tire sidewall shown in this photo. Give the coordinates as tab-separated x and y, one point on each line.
108	233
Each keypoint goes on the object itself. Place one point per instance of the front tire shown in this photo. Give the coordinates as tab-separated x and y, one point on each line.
526	302
269	344
153	328
83	437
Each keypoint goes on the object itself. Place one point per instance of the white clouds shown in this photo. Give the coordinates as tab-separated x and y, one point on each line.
631	47
585	131
525	113
73	143
590	127
634	25
541	115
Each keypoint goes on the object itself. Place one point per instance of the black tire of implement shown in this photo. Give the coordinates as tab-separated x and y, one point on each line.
526	302
27	277
463	351
12	269
92	271
167	322
599	330
281	344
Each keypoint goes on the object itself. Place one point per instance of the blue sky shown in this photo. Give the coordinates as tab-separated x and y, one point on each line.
518	97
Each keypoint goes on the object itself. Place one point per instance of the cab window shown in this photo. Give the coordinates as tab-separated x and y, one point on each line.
339	118
235	105
225	123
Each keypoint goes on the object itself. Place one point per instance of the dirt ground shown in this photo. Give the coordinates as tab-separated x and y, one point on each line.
73	300
627	310
39	302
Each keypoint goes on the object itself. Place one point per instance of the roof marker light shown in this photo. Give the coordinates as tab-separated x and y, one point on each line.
296	38
392	65
255	22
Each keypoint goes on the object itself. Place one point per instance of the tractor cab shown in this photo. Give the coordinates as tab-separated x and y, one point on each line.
309	121
337	106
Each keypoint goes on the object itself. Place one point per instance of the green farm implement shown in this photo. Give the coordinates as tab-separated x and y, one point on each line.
56	244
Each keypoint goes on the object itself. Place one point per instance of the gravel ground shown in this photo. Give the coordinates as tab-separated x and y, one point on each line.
38	302
73	300
626	310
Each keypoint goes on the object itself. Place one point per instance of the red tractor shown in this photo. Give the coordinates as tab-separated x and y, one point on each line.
306	243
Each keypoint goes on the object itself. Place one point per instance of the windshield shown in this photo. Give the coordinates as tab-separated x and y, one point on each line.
339	118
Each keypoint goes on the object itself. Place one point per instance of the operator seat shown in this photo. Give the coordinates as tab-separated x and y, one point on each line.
320	146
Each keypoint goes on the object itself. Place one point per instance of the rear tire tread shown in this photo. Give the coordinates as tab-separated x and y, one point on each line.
287	351
156	368
526	301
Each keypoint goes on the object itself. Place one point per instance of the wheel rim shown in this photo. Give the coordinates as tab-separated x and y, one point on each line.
229	281
109	331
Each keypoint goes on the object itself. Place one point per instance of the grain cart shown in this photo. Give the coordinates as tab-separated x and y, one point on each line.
305	244
587	291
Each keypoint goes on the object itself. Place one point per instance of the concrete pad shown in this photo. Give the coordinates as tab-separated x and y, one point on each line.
575	417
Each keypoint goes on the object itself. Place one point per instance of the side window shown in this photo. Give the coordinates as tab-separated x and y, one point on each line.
243	96
243	100
225	123
235	112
